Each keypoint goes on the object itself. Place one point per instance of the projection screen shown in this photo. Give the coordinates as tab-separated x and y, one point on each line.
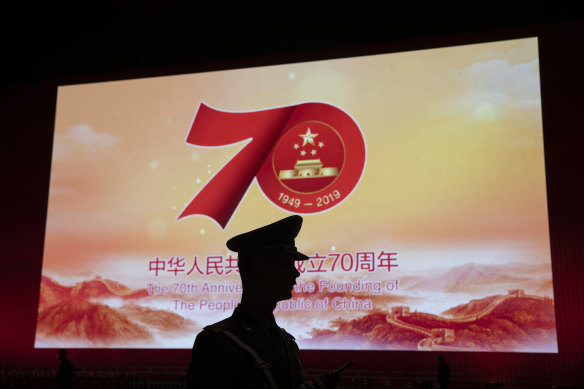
420	176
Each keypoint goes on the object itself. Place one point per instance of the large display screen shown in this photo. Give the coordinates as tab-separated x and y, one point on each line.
420	176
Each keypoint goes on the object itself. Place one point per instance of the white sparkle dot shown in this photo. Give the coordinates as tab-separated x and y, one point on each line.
174	208
333	248
208	165
198	180
153	164
291	76
209	171
202	231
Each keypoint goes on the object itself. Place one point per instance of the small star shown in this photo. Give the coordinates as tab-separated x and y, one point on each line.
303	153
308	137
321	144
313	152
296	147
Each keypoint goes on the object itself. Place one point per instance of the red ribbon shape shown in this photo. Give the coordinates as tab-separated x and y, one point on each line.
219	198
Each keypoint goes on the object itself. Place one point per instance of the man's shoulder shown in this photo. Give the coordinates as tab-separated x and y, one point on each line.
290	342
216	360
212	340
287	335
212	335
222	325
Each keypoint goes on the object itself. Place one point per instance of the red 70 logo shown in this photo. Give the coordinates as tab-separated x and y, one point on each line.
308	186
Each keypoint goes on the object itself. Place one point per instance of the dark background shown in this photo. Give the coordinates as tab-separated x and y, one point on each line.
43	46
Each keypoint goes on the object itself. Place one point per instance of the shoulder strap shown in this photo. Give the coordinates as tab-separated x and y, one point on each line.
258	361
222	325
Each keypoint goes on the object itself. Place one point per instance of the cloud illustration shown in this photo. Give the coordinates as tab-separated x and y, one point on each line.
491	88
81	138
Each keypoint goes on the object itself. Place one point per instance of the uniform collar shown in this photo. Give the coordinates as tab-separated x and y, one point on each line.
251	316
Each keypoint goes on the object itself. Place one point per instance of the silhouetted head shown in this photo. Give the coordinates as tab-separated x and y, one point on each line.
267	256
62	354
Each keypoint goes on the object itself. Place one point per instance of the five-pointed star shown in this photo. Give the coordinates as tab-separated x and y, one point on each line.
313	152
296	146
321	144
303	153
308	137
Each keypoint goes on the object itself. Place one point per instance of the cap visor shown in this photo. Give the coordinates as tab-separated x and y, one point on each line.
300	256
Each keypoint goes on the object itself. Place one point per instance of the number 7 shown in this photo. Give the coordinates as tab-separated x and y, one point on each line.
219	198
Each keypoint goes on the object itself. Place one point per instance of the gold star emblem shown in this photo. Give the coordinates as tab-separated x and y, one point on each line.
308	137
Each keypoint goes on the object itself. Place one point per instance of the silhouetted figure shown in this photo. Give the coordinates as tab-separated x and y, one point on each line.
443	378
65	379
248	349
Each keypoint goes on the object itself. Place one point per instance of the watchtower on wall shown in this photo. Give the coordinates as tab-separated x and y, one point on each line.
445	335
516	292
400	311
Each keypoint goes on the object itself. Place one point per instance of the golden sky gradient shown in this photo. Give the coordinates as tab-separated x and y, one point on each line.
455	160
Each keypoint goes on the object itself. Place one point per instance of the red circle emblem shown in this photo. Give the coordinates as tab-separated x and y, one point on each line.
315	164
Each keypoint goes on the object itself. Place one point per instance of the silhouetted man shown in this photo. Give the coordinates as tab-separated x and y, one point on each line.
249	350
65	373
443	378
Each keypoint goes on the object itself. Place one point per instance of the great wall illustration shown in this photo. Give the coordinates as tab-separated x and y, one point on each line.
439	339
77	312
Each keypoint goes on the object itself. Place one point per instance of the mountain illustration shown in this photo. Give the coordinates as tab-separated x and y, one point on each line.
469	277
474	307
87	322
76	315
513	322
100	287
156	318
53	292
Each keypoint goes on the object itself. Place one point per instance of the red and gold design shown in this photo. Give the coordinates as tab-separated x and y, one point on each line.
306	158
309	157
